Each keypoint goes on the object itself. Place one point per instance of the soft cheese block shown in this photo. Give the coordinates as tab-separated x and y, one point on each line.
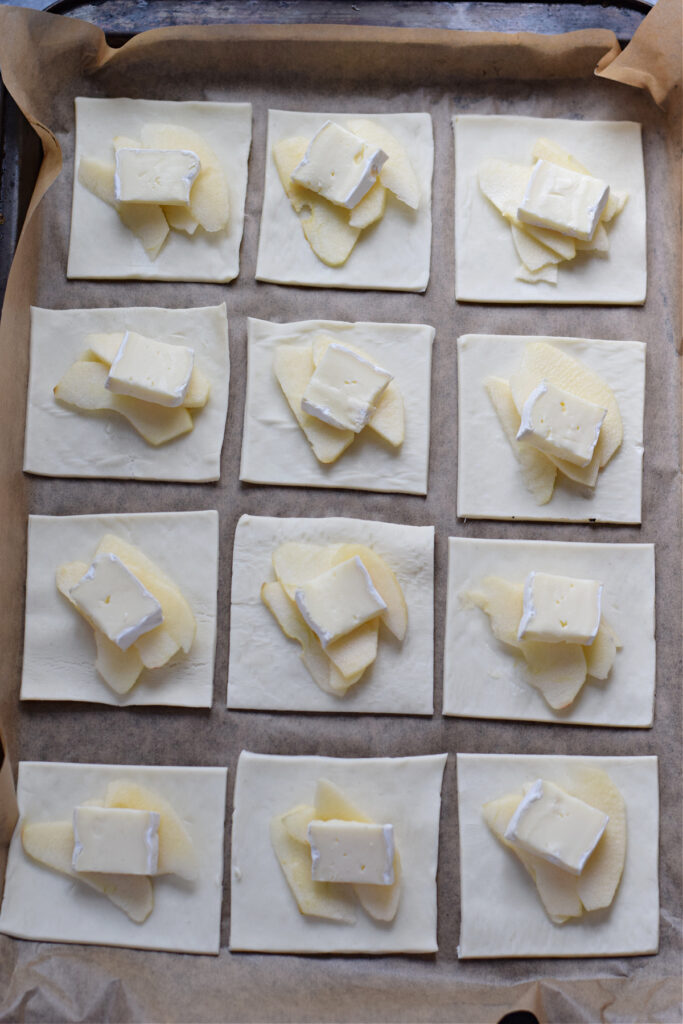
339	600
116	840
561	424
563	200
339	165
560	609
351	851
344	389
556	826
163	176
151	370
115	601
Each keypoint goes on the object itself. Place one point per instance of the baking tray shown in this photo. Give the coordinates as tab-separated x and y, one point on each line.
44	732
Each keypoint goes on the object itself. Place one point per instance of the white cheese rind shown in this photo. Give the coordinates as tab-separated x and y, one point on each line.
556	826
116	840
339	600
344	389
560	609
153	371
159	176
563	200
351	851
560	423
114	600
339	165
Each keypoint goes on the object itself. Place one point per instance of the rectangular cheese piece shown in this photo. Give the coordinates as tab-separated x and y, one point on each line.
339	165
563	200
151	370
338	601
351	851
155	175
560	609
562	424
556	826
114	601
117	840
344	389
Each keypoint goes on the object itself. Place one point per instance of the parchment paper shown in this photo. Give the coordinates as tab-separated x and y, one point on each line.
46	61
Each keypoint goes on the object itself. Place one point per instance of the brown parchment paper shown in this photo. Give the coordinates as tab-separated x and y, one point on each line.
47	61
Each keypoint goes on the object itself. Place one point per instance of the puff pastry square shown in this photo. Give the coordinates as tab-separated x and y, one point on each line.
393	255
403	791
101	246
501	913
265	671
489	481
485	257
63	441
59	645
485	679
41	904
274	448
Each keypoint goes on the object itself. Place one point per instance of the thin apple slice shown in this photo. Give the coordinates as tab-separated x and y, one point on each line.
601	654
178	618
563	245
210	195
314	899
197	394
597	245
395	615
543	361
546	149
503	602
295	563
297	821
370	209
325	226
293	368
531	252
599	880
180	219
157	647
546	274
177	855
397	173
119	669
52	843
503	183
145	220
537	472
82	386
332	803
354	653
558	671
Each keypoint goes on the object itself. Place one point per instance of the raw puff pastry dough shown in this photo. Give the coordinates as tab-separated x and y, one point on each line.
485	257
59	645
101	246
405	791
501	912
485	679
393	255
265	670
41	904
274	448
490	485
63	441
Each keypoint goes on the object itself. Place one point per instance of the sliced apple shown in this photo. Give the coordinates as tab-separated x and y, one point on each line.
178	620
105	346
331	803
397	174
52	843
597	245
82	386
546	274
537	472
503	602
119	669
601	654
157	647
177	855
503	183
558	671
325	226
180	219
145	220
315	899
370	209
354	653
210	195
296	563
297	821
532	253
563	245
546	149
395	615
599	880
293	368
543	361
287	616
